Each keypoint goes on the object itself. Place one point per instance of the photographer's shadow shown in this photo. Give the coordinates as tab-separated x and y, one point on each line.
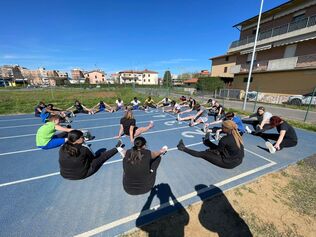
168	204
217	214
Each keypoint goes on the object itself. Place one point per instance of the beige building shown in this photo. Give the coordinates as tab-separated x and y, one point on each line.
77	74
96	77
285	59
144	77
220	67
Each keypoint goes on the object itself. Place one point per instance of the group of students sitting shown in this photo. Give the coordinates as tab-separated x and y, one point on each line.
78	161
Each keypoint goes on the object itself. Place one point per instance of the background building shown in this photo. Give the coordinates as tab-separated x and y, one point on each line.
145	77
95	77
285	59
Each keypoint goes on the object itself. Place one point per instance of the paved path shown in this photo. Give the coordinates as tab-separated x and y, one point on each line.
293	114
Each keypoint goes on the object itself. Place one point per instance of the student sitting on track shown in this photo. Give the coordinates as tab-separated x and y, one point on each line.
218	130
77	161
136	104
286	138
45	136
149	102
140	167
38	109
102	106
119	104
80	108
174	108
51	110
199	117
164	102
217	111
261	123
128	126
227	154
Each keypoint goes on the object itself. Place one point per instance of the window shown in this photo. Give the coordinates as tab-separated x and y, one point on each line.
290	51
225	69
298	17
246	79
95	76
148	80
226	58
148	75
249	57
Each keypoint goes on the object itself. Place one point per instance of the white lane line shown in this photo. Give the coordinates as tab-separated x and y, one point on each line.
183	198
75	121
106	126
93	141
57	173
45	176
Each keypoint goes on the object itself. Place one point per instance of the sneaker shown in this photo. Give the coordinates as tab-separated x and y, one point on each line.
248	130
151	124
205	128
181	145
164	150
217	137
178	117
271	148
207	136
120	144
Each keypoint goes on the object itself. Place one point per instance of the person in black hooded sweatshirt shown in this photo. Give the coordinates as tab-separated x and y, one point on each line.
77	161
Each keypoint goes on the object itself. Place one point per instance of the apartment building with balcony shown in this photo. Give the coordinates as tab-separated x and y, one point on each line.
285	58
77	76
145	77
96	77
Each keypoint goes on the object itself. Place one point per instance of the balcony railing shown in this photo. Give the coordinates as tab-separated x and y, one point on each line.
296	25
306	61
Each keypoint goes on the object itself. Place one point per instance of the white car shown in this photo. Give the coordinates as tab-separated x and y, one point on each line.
302	99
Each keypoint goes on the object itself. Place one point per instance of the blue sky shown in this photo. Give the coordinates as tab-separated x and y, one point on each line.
179	35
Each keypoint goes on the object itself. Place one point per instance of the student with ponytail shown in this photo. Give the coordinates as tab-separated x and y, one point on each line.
227	154
140	167
77	161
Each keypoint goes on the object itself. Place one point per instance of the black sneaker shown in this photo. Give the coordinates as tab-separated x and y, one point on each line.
181	145
68	126
120	144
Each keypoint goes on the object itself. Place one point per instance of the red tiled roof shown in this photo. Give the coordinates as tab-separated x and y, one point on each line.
192	80
134	71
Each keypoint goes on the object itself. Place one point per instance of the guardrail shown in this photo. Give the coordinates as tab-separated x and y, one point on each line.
296	25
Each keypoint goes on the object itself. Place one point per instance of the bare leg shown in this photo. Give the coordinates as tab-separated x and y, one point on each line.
143	129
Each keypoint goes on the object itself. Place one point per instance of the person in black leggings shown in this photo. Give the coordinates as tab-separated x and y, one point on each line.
140	167
227	154
77	161
286	136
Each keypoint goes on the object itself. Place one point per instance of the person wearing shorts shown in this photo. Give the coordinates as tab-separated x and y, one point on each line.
128	126
80	108
101	107
199	117
119	104
46	137
135	104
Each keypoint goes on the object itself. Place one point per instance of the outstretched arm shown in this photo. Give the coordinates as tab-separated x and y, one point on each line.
120	131
280	139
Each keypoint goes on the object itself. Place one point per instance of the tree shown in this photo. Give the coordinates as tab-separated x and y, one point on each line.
209	83
167	79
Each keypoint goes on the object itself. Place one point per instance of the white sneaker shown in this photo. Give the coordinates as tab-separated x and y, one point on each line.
217	136
164	149
248	130
151	124
178	117
271	148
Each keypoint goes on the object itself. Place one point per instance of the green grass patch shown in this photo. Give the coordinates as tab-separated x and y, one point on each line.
24	101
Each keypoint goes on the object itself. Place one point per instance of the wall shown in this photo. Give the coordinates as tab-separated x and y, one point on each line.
218	65
287	82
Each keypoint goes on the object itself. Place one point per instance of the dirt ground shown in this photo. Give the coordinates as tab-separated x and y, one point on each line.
278	204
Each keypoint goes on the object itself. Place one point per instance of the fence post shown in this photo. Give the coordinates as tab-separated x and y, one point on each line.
309	105
255	104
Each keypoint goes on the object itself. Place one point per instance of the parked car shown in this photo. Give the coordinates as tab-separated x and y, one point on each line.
3	83
302	99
